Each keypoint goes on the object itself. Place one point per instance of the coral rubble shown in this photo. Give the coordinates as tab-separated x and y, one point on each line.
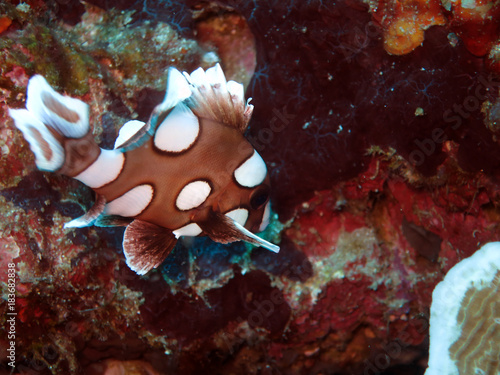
379	123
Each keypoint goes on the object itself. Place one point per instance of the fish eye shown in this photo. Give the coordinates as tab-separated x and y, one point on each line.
260	197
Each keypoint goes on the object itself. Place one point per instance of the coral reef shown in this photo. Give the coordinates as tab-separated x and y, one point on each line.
404	23
464	324
476	22
379	124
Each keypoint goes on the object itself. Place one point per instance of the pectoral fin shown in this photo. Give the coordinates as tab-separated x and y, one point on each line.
112	221
222	228
90	216
146	245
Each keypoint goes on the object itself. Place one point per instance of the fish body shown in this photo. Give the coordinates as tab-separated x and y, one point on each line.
188	171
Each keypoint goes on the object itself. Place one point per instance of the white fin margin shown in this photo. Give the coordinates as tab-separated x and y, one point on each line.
252	172
132	203
104	170
212	78
237	93
49	154
197	78
215	77
178	131
68	116
127	131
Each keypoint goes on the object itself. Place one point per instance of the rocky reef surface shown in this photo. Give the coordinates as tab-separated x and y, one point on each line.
379	122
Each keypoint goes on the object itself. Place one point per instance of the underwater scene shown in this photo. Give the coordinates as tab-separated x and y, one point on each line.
250	187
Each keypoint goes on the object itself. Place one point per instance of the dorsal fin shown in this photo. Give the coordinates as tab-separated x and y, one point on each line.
178	89
222	228
216	99
134	133
146	245
207	94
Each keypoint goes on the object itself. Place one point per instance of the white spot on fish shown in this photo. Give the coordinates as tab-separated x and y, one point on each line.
178	131
104	170
240	215
193	195
132	203
191	230
252	172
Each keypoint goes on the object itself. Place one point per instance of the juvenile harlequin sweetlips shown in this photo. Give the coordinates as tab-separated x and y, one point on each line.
188	171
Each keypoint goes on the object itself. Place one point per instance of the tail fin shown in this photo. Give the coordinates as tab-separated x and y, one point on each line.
57	129
49	153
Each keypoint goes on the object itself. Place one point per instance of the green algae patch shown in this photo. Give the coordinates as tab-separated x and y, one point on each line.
104	46
139	54
38	50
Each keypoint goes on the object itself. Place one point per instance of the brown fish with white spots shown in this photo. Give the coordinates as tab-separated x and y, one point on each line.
188	171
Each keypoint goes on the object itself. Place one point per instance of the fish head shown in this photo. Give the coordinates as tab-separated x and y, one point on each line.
246	196
257	201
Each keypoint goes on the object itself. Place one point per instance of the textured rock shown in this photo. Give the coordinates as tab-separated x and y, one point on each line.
384	168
